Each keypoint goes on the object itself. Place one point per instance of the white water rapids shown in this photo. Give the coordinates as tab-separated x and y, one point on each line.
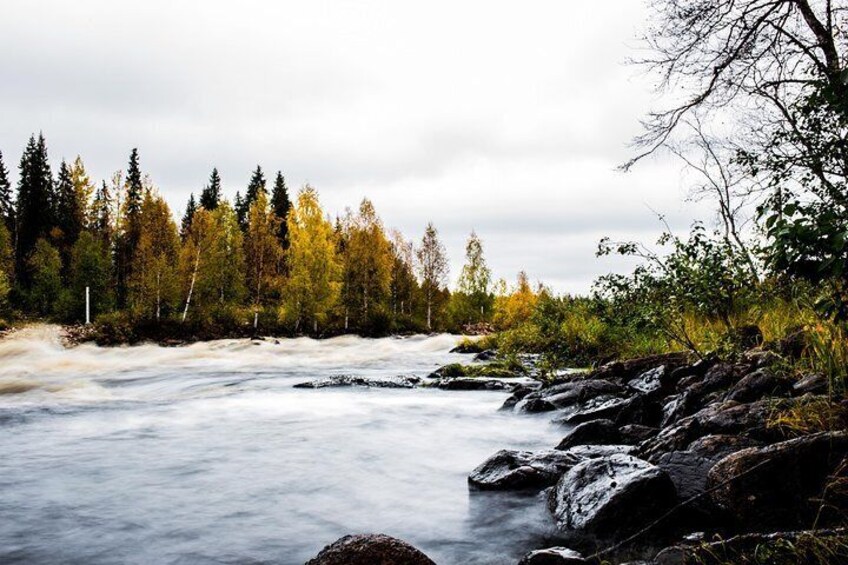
206	454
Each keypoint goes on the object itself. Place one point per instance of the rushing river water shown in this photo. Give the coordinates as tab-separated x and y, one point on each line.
206	454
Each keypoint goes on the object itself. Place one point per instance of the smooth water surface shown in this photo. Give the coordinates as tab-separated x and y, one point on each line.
206	454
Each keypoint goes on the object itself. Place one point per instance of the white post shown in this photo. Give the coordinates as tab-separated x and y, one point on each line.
87	306
255	320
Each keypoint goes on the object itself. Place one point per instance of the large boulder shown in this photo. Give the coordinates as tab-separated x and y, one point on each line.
567	394
604	407
780	485
553	556
626	370
518	394
370	549
688	471
514	470
718	446
814	383
611	496
473	383
650	382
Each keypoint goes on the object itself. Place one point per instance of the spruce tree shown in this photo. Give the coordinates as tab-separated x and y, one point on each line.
101	223
7	211
281	204
135	191
256	184
68	213
131	227
185	226
211	195
34	204
241	211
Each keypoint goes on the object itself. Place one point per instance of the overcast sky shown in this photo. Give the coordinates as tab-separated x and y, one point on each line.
507	118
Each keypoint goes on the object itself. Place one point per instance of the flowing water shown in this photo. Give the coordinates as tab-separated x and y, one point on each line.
206	454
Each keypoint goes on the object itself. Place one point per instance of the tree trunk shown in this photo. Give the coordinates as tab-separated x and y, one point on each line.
191	286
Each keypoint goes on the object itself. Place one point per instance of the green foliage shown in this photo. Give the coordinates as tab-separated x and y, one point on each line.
90	267
45	266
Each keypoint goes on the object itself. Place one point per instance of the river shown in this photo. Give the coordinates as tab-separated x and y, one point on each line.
207	454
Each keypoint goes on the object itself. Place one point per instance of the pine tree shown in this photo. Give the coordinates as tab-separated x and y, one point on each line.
101	222
313	286
7	209
211	195
129	224
241	211
432	268
281	204
34	204
185	225
135	194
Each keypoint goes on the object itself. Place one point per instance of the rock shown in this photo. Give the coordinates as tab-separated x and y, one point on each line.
632	434
641	409
487	355
759	384
697	370
688	471
779	485
371	549
811	384
761	358
553	556
450	370
604	407
678	407
717	446
568	394
518	394
595	432
626	370
719	377
595	495
649	382
467	347
727	418
350	380
515	470
473	383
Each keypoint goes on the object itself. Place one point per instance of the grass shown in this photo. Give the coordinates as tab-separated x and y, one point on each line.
809	416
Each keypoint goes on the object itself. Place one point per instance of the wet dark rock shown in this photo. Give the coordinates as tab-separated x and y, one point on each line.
567	394
650	382
728	418
595	495
632	434
811	384
604	407
488	355
518	394
759	384
553	556
350	380
695	370
717	446
595	432
719	377
761	358
370	549
679	407
688	471
640	409
779	485
626	370
516	470
473	383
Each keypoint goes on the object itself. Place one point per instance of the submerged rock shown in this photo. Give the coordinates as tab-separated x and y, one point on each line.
370	549
473	383
350	380
611	496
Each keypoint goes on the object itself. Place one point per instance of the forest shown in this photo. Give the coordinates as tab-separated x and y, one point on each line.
265	262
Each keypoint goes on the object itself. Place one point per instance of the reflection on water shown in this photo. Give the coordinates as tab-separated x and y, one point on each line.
207	454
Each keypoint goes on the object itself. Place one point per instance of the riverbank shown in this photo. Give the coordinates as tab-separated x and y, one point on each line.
670	459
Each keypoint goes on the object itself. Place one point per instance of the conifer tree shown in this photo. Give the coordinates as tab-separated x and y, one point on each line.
313	286
403	285
185	225
211	195
70	219
281	204
83	190
101	222
254	187
7	262
34	204
129	224
7	209
432	268
241	211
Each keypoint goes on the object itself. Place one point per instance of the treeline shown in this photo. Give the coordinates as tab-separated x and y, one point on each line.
263	262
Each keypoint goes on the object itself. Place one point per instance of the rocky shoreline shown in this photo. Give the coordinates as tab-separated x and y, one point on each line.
672	460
